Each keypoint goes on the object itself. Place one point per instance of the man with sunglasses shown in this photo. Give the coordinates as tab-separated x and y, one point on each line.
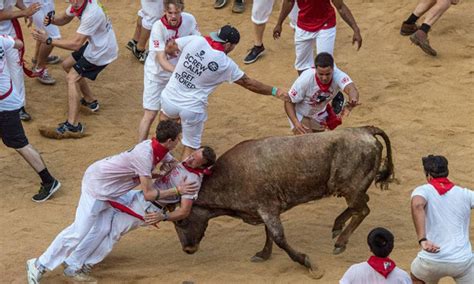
309	109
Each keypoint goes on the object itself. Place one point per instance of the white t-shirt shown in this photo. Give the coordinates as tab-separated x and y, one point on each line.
114	176
6	26
152	8
200	69
363	273
159	37
12	101
447	222
96	24
305	92
174	178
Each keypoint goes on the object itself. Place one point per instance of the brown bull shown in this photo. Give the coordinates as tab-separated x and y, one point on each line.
257	180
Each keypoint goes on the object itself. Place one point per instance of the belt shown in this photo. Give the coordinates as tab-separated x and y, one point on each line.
161	207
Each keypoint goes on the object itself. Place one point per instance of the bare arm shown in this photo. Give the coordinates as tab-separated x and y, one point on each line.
24	12
18	44
291	112
70	44
346	15
149	192
180	213
260	88
172	48
418	214
353	93
286	7
163	61
61	20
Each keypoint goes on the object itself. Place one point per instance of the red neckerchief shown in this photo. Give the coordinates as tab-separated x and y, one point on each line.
333	119
19	35
382	265
78	12
125	209
442	185
323	87
214	44
164	20
4	96
159	151
196	171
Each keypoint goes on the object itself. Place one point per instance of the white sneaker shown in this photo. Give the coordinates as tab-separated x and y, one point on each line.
33	274
78	275
45	78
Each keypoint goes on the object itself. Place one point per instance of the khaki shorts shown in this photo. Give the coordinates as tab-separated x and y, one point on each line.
431	271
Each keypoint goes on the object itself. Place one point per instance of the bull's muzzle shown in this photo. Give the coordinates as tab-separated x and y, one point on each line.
191	249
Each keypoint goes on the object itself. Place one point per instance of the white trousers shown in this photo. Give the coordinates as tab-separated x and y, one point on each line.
88	214
305	42
262	9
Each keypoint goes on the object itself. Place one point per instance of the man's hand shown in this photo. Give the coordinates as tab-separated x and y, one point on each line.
152	218
277	31
454	2
187	187
349	107
30	11
357	37
282	95
49	18
172	49
40	35
300	128
430	246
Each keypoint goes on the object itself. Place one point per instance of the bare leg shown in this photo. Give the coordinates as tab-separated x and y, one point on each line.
32	157
144	127
86	91
37	50
266	252
423	6
143	39
416	280
73	96
259	30
138	28
44	52
436	11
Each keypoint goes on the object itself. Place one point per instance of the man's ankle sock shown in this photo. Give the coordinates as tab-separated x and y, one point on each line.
46	177
412	19
425	27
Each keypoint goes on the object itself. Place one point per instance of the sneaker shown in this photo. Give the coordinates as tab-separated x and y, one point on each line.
143	56
138	53
420	38
33	274
338	103
46	190
79	276
131	44
220	4
52	59
45	78
87	268
92	106
24	116
239	6
67	127
254	54
408	29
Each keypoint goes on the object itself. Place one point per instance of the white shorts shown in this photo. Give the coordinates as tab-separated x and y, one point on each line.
38	17
305	42
147	20
431	272
192	123
261	11
321	118
152	93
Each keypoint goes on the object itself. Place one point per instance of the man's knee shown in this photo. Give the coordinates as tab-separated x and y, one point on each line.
72	76
150	115
416	280
68	63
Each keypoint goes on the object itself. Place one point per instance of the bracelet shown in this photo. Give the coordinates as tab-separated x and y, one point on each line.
157	195
176	191
49	41
274	91
422	240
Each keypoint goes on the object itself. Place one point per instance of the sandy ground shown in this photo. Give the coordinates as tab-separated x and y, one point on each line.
423	103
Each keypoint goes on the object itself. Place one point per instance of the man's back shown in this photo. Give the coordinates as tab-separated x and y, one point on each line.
363	273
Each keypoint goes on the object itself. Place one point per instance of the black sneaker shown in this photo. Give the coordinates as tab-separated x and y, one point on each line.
92	106
66	126
254	54
219	4
24	116
338	103
138	53
131	44
239	6
46	191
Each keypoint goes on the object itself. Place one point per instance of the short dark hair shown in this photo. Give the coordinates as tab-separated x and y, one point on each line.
435	166
167	129
380	241
209	155
324	60
178	3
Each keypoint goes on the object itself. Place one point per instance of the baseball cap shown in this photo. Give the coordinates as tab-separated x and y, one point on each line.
226	34
435	165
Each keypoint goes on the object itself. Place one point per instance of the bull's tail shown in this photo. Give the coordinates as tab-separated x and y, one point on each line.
385	174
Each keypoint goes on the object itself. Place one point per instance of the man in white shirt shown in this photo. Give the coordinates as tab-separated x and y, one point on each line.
158	66
132	211
441	213
94	47
379	268
11	129
203	65
107	180
309	109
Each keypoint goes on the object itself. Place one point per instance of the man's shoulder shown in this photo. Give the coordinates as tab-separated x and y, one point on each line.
187	18
422	190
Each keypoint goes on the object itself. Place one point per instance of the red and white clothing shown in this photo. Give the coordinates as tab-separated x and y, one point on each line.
316	24
100	240
150	12
38	17
9	98
105	180
363	273
311	97
96	25
156	78
202	67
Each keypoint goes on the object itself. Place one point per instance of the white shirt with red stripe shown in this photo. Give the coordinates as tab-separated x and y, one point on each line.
6	27
174	178
315	15
305	92
96	25
114	176
362	273
9	99
161	34
202	67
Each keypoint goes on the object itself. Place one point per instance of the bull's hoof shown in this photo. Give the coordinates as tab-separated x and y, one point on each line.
316	273
336	233
339	250
259	257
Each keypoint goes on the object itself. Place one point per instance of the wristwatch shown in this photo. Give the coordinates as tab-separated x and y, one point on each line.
49	41
165	216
